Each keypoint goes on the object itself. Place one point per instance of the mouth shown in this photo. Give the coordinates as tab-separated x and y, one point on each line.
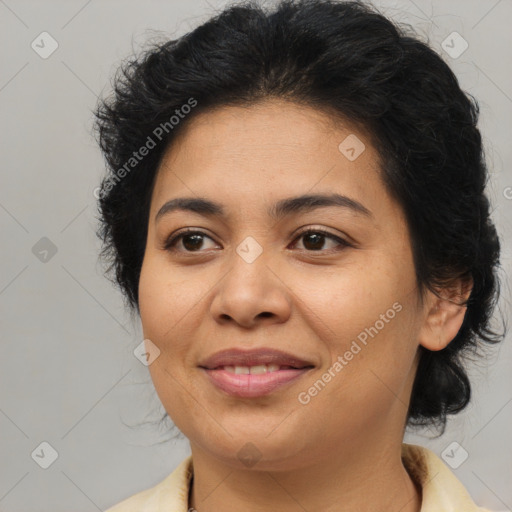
256	358
256	369
254	373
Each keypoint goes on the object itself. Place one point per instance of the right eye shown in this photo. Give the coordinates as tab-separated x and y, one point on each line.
190	239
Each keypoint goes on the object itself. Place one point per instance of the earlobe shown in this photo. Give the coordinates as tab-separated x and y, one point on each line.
444	315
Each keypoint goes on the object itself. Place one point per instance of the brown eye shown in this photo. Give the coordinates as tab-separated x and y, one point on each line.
314	239
191	241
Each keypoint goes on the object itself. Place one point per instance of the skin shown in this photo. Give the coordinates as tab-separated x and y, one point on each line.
341	450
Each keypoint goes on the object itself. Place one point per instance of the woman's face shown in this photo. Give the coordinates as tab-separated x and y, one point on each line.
344	304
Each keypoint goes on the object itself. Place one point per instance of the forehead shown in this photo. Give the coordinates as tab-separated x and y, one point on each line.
264	127
266	152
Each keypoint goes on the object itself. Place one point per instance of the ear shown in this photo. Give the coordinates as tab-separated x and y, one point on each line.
444	315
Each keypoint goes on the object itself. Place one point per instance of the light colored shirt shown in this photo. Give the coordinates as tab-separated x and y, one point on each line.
441	490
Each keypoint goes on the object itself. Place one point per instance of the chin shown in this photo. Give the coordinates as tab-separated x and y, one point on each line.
258	446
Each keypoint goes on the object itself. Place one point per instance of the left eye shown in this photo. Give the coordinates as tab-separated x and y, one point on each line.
314	240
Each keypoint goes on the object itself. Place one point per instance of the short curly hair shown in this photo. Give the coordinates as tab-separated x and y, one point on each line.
347	59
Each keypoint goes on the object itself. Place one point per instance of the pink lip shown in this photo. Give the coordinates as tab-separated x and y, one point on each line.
250	386
254	357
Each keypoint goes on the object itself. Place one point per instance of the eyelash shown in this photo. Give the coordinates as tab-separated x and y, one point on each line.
173	239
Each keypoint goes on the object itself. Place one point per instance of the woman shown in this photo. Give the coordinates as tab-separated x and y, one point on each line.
295	208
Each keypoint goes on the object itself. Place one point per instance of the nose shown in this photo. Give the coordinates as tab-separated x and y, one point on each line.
251	293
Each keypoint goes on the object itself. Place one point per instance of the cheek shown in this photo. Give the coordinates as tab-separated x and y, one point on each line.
365	316
349	299
166	308
167	300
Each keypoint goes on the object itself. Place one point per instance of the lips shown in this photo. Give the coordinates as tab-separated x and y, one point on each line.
251	358
253	373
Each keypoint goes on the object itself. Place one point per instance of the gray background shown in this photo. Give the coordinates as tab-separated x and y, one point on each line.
68	374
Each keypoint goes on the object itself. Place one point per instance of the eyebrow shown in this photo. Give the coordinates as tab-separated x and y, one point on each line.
283	208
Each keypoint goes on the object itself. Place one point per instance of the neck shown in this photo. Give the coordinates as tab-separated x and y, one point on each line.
368	477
